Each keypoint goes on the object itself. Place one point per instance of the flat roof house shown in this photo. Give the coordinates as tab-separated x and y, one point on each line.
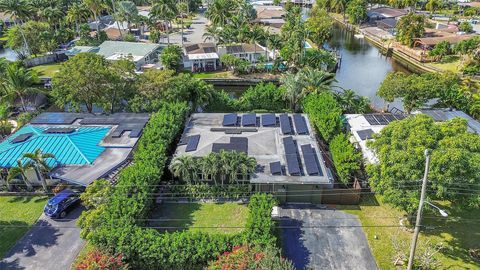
140	53
289	161
200	57
86	146
249	52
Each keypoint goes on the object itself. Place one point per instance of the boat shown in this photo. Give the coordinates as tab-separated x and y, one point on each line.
359	36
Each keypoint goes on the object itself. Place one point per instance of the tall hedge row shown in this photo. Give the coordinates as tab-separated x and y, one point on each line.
118	226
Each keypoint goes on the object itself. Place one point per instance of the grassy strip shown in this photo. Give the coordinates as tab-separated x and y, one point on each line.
17	211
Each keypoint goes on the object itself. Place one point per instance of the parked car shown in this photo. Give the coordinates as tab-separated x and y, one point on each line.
62	203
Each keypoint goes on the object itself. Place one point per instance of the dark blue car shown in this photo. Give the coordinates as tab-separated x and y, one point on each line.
61	204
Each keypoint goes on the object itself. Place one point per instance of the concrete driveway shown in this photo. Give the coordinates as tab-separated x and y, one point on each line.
324	239
193	35
51	244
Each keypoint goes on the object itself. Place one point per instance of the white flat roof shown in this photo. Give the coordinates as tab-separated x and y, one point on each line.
119	56
201	56
358	122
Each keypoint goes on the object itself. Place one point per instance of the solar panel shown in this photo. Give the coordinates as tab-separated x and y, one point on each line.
100	121
285	124
192	143
135	133
249	119
365	134
310	160
230	119
370	119
56	118
276	168
389	117
239	144
59	130
293	165
289	146
381	120
269	120
399	116
117	133
22	137
300	124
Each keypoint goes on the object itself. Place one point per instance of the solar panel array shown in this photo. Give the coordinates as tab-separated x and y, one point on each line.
291	155
22	137
249	120
276	168
365	134
269	120
229	120
59	130
192	143
285	125
239	144
310	159
300	124
382	118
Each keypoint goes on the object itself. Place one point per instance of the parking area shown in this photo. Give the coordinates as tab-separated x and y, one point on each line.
316	238
50	244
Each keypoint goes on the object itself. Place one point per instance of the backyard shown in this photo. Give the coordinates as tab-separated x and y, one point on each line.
17	214
226	218
47	70
456	234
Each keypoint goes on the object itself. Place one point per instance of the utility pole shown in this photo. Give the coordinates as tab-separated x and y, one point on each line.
419	211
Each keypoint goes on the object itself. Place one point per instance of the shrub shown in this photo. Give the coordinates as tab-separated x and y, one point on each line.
206	191
345	158
98	260
260	226
264	97
325	113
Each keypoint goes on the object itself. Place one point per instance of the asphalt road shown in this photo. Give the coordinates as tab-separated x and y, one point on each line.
47	245
322	239
193	35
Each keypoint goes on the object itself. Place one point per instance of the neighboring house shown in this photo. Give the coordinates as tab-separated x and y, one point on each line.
200	57
249	52
86	146
441	115
80	49
384	13
289	161
140	53
388	24
270	15
434	36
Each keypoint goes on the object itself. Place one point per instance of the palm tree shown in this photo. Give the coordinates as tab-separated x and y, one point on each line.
77	13
185	168
256	34
51	15
21	169
5	126
220	11
315	80
126	11
96	7
165	10
293	90
212	32
39	164
274	42
233	166
182	8
17	9
17	82
247	165
210	166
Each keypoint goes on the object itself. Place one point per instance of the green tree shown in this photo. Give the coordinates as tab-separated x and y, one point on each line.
351	102
77	13
96	7
440	50
319	25
126	11
185	167
433	5
319	59
399	149
39	164
325	114
17	82
220	11
96	194
357	11
38	35
263	97
164	10
345	158
122	84
171	57
82	80
465	27
18	10
409	27
21	169
5	126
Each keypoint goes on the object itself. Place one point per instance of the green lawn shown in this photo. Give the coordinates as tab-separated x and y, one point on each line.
17	211
457	234
47	70
450	63
207	217
212	75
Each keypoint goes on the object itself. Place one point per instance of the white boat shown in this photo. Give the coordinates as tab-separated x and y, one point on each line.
359	36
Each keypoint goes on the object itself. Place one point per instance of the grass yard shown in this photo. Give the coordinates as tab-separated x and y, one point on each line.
212	75
207	217
17	211
450	63
47	70
457	234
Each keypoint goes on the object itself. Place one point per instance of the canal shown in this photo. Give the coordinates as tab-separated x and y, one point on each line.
363	67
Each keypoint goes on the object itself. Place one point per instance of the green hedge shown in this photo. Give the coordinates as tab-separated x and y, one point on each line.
345	158
119	225
206	191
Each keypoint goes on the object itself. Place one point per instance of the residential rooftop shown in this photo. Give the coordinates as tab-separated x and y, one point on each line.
86	146
284	145
110	49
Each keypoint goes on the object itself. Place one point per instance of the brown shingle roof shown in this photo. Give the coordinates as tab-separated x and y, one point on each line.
452	39
200	48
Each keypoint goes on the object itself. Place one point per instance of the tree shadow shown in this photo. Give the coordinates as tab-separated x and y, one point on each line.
462	225
171	217
22	199
369	200
41	235
292	244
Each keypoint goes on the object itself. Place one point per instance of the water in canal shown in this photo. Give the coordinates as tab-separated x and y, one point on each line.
363	67
8	54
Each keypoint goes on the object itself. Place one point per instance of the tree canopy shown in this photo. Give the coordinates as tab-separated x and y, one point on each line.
409	27
455	161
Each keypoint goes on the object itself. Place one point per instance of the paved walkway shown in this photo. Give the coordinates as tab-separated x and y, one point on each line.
47	246
324	239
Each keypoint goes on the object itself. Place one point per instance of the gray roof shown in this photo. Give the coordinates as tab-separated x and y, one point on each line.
446	114
81	49
109	48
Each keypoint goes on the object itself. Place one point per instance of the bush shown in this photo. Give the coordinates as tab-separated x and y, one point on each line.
97	260
325	113
345	158
206	191
171	57
263	97
260	226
